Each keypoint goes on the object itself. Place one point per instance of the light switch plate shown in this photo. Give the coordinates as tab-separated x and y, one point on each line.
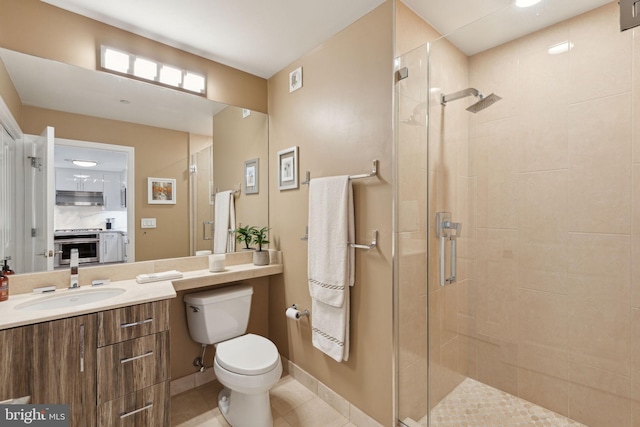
147	223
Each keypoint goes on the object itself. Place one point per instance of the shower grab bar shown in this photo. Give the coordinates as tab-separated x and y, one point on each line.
447	230
374	172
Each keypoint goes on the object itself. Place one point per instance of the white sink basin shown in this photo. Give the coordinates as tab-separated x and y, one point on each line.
70	298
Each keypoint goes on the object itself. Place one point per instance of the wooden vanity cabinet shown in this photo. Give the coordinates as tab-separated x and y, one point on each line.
133	366
64	366
16	348
111	368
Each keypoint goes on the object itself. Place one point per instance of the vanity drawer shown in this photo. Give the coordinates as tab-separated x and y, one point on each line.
136	321
132	365
145	408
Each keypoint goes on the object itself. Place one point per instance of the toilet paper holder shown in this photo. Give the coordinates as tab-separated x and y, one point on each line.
299	313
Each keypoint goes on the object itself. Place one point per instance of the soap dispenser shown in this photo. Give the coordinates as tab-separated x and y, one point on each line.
4	280
4	287
6	270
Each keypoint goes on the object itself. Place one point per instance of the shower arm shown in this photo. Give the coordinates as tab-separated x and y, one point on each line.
460	94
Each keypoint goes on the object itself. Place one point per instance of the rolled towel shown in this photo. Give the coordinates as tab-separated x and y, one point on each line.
157	277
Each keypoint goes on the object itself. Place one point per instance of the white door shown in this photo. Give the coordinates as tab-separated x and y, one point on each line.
43	199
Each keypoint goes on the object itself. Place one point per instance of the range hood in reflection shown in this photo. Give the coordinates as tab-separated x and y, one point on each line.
79	198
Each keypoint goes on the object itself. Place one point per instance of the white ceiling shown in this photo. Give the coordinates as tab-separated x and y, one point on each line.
108	160
474	26
257	36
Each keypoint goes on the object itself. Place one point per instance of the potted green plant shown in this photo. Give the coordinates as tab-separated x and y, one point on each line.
259	235
244	234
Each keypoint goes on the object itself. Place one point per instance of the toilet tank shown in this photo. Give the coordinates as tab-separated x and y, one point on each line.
218	314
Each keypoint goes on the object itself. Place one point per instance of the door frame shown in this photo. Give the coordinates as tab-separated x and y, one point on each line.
130	195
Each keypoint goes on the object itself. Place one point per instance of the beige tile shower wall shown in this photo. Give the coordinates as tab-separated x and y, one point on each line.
555	190
440	174
341	121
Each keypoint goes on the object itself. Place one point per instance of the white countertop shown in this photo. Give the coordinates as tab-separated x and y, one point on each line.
135	293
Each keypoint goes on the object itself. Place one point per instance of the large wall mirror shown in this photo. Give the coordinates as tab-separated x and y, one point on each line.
198	146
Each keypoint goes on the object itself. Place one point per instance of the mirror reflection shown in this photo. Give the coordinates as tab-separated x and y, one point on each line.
201	144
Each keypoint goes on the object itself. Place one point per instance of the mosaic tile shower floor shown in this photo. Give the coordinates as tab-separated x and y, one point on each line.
474	404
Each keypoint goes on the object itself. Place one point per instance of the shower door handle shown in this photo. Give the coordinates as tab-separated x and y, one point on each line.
447	230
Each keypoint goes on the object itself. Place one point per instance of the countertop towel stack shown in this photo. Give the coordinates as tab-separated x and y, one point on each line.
331	263
224	221
157	277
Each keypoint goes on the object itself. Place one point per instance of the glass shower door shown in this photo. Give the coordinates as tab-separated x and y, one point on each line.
411	231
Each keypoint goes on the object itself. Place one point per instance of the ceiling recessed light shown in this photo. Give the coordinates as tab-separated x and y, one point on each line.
84	163
527	3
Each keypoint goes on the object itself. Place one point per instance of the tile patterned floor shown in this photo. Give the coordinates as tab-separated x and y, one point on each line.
292	404
474	404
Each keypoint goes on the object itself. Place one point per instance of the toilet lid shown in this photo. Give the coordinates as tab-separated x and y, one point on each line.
248	355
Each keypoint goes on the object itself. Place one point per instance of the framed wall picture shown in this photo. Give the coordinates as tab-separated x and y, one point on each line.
288	168
161	191
251	176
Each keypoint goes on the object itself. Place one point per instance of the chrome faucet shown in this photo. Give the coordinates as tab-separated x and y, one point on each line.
74	262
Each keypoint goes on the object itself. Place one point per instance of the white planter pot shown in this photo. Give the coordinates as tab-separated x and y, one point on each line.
261	258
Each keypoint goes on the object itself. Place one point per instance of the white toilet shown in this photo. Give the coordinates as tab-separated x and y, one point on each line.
247	365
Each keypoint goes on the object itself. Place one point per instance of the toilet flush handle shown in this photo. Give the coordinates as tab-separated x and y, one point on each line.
195	309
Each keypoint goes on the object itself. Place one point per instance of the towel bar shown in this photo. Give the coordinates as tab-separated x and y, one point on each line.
374	172
235	192
373	244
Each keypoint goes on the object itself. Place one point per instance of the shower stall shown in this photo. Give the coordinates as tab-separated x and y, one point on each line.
517	229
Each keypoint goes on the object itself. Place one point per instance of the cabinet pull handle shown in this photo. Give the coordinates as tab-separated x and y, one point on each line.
131	359
82	348
149	405
141	322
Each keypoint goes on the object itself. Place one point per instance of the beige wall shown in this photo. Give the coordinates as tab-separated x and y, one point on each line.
554	167
341	121
36	28
242	139
159	153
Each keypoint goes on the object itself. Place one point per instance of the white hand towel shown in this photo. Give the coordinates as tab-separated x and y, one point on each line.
331	263
157	277
221	220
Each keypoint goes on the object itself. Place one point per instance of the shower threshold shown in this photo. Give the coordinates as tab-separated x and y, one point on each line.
475	404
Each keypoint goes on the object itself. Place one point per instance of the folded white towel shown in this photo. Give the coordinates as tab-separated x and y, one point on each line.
331	228
330	328
157	277
222	218
331	263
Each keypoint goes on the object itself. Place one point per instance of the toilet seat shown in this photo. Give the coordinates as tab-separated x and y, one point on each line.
248	355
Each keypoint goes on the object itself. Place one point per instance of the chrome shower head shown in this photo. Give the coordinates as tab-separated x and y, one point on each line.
483	103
